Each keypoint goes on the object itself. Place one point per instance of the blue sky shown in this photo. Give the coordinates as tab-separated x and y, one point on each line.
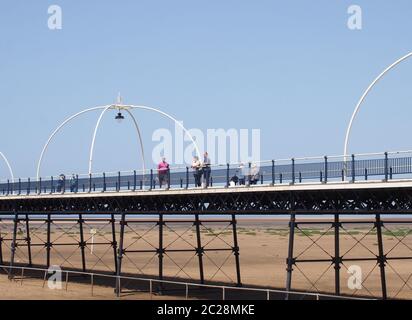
290	68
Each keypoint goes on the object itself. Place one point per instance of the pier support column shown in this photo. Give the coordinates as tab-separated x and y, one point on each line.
161	250
120	255
82	243
114	242
1	250
28	240
236	250
199	249
48	243
337	260
290	261
381	257
13	245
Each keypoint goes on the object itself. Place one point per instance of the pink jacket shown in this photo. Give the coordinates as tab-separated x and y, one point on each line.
163	167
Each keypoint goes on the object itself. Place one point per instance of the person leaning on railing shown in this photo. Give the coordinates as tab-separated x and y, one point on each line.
73	183
206	169
163	172
197	171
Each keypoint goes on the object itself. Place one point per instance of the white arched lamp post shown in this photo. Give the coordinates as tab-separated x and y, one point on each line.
355	112
8	166
119	107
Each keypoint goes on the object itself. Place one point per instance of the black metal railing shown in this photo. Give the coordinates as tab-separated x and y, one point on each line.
353	168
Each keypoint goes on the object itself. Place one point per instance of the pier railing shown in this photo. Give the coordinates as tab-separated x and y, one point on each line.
360	167
151	288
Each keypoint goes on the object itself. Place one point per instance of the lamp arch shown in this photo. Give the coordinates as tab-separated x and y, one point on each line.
355	112
8	166
104	109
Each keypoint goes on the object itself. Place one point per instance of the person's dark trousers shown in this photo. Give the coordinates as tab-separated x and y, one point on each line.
162	178
198	176
206	175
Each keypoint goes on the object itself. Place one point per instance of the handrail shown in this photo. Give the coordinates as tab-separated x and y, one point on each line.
295	170
187	284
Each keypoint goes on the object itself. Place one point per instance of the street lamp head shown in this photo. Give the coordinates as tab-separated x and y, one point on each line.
119	117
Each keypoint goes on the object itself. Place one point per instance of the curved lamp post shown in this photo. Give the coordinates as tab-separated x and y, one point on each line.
355	112
8	166
104	109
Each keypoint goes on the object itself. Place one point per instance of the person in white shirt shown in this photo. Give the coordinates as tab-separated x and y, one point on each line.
197	171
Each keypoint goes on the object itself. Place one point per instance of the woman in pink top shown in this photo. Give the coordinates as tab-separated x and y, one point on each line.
163	172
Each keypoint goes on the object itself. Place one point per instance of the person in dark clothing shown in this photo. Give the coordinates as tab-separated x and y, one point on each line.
60	183
74	183
206	169
197	171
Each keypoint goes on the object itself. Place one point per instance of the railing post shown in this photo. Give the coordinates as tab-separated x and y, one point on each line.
248	175
135	180
8	186
168	178
326	169
39	186
386	167
51	184
227	175
151	179
119	182
273	173
19	186
187	177
104	181
64	184
77	184
293	170
28	186
90	182
353	168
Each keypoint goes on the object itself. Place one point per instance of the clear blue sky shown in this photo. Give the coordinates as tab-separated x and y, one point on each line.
291	68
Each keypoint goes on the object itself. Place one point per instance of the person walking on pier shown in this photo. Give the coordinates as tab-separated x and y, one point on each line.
197	171
206	169
73	183
60	183
163	172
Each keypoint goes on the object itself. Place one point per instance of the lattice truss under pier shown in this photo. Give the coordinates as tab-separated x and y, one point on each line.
190	248
75	242
327	256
